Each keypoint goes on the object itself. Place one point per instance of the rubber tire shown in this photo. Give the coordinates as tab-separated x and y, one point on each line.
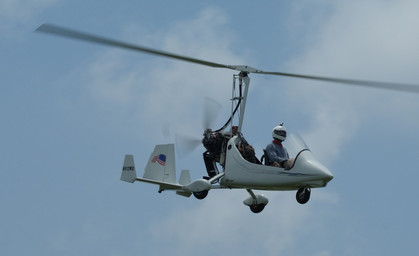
201	194
303	195
257	208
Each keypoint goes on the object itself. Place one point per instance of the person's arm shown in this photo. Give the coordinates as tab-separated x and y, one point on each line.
274	155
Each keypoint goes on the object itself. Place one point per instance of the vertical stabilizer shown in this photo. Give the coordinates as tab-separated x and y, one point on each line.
185	177
128	170
161	164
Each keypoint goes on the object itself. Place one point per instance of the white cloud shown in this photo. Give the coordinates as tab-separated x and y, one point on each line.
15	13
162	91
223	221
155	89
361	40
323	253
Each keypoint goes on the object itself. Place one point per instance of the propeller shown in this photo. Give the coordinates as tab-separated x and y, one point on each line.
70	33
188	143
211	110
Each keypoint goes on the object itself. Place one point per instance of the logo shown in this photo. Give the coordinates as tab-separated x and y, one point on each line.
160	159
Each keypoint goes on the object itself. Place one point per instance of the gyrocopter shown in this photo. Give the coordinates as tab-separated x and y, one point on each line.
228	167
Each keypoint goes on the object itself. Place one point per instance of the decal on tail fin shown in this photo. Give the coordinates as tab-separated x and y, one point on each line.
128	170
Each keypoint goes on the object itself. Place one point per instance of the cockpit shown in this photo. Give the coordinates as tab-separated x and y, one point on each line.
294	144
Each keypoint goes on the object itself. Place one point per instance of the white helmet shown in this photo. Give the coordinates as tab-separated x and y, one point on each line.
279	132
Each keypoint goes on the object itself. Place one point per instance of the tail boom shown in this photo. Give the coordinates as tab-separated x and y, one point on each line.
160	170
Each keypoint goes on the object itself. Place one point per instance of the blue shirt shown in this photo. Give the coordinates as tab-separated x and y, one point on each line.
276	152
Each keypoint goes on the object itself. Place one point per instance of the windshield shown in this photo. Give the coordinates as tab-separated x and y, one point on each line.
295	144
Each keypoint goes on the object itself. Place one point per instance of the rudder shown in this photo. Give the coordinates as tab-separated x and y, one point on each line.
161	164
128	170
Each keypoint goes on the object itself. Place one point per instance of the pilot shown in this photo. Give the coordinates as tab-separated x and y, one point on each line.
277	154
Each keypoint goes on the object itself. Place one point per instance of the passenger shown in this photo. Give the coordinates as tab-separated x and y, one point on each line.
277	154
234	130
248	152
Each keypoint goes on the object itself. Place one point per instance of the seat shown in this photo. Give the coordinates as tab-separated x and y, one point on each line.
265	159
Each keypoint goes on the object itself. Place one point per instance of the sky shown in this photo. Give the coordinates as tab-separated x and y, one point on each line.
71	110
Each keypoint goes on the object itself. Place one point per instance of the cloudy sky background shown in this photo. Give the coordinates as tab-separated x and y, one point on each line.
71	110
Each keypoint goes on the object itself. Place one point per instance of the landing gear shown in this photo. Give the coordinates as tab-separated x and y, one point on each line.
201	194
256	203
257	208
303	195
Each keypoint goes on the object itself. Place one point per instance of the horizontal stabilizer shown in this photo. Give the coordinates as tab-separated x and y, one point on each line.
160	170
164	185
183	193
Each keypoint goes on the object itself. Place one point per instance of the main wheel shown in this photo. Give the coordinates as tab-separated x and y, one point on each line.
303	195
257	208
201	194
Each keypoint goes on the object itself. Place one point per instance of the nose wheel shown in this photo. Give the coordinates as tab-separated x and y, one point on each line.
257	208
256	203
303	195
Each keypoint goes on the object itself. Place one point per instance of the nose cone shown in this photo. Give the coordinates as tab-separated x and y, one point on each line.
316	174
320	172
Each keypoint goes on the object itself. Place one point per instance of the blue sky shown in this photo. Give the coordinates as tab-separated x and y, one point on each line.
71	110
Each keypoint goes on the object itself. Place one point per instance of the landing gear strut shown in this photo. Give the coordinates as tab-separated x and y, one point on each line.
303	195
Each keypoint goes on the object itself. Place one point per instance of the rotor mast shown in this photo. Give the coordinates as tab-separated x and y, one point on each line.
243	79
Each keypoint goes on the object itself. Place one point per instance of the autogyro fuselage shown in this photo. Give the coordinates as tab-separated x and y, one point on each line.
233	168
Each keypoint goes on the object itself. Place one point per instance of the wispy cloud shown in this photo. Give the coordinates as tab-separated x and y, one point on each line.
157	92
15	13
223	220
160	91
376	45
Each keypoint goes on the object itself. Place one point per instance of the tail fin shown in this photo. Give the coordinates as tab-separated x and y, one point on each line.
185	177
128	171
161	165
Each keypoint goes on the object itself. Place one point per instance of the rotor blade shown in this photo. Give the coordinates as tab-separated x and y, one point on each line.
211	110
65	32
382	85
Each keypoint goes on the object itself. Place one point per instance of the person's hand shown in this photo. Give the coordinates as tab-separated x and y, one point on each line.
276	164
